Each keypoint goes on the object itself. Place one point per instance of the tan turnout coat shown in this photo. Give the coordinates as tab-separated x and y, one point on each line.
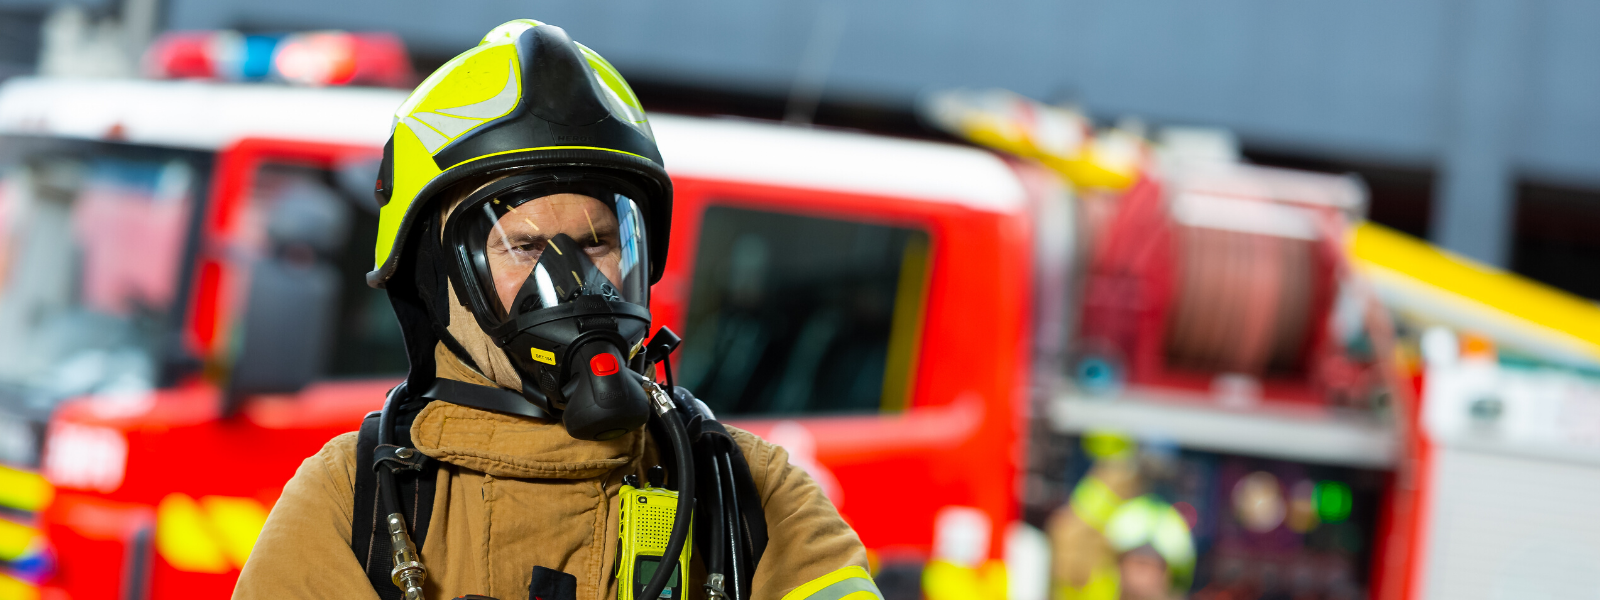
514	493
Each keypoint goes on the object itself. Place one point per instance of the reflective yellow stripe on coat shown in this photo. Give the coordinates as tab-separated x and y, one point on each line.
849	583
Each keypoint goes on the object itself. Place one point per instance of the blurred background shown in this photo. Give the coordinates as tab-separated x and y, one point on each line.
1070	300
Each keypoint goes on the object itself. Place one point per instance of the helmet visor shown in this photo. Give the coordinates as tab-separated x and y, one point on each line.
540	246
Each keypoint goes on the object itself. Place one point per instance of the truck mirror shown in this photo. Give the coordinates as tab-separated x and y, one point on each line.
287	328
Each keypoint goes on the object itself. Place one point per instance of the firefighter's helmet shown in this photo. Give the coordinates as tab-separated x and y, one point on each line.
527	97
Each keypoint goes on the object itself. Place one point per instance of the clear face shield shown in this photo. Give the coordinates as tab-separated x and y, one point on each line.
536	249
555	268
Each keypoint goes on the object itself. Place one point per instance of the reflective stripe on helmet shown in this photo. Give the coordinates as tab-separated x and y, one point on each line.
473	108
849	583
542	149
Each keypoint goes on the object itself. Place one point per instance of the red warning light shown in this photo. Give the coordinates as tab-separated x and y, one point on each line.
316	58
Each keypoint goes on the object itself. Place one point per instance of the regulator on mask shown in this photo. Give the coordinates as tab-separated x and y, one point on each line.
555	268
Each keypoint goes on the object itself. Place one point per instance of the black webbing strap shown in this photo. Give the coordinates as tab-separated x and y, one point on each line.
368	537
433	290
480	396
755	518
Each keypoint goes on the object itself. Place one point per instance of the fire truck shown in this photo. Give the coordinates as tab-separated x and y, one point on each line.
941	335
863	301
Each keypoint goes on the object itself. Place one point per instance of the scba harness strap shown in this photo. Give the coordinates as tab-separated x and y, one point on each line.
417	487
418	475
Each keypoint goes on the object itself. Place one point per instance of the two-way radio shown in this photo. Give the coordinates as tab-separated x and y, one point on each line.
645	526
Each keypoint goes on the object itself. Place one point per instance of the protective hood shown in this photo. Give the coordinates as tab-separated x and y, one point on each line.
490	361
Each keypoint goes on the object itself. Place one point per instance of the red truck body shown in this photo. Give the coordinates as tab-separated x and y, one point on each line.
177	517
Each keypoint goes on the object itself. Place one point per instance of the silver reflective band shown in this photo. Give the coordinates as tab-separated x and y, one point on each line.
845	587
847	583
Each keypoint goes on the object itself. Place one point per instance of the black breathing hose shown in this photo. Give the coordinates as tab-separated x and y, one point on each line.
409	573
387	489
391	405
731	514
679	438
716	555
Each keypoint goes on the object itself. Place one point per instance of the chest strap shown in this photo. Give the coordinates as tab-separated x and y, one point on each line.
483	397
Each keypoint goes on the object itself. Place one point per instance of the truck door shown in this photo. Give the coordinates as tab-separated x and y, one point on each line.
822	321
283	294
799	319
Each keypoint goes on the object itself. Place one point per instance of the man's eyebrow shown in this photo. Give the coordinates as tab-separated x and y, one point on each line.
523	236
520	237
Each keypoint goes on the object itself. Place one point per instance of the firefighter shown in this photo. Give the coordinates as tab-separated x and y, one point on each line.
525	214
1110	542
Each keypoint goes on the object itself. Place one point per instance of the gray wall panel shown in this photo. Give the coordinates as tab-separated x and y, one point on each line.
1562	136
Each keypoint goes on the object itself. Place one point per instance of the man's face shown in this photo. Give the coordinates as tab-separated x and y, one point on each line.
521	236
1144	576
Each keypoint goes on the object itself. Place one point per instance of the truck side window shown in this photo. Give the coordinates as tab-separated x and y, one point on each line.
302	202
796	315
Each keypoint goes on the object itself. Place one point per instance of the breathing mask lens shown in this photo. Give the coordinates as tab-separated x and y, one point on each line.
541	248
556	271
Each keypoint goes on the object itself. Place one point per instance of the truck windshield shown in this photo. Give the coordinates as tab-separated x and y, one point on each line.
92	238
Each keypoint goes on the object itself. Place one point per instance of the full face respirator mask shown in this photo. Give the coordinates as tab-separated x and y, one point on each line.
554	266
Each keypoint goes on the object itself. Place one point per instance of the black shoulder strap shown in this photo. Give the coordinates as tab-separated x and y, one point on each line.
755	518
368	539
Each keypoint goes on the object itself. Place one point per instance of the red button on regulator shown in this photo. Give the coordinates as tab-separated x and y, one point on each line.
603	364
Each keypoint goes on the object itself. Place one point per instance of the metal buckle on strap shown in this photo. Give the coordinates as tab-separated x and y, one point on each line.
398	458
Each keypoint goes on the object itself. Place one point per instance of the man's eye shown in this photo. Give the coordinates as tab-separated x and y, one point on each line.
528	245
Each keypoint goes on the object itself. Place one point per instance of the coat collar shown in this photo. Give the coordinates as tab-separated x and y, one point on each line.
504	445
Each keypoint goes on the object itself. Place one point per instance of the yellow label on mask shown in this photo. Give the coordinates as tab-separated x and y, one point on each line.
544	356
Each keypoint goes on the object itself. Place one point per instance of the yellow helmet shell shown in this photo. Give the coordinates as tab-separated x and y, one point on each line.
525	97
